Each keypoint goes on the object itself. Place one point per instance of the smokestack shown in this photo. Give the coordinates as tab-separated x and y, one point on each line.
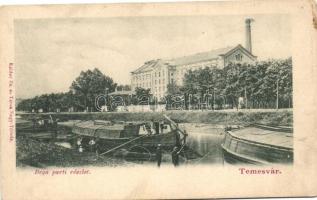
248	41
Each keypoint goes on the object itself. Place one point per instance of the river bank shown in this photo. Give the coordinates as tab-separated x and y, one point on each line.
30	152
228	117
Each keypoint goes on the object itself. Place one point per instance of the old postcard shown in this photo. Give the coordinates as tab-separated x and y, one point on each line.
158	100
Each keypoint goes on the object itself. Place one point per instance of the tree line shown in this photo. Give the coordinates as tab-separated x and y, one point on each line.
81	96
266	84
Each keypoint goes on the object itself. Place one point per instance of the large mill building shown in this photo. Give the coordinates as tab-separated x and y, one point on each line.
157	74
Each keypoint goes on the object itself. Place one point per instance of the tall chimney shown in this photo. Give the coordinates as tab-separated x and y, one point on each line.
248	41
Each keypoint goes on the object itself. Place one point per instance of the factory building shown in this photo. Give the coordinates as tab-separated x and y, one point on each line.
157	74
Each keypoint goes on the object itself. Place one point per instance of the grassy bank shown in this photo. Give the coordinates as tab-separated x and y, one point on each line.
268	117
31	152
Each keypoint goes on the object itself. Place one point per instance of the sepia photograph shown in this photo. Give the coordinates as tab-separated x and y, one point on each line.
158	100
154	90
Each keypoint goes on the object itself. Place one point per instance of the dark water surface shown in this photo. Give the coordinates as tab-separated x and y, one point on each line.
206	139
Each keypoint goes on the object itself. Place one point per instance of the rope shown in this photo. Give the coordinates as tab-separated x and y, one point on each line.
144	149
117	147
198	160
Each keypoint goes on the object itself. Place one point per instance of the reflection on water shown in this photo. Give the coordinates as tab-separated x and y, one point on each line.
206	139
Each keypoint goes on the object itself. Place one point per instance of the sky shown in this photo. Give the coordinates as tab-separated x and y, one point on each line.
51	53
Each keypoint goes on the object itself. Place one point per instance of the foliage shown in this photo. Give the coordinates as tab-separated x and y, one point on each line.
257	84
47	102
173	88
123	87
142	96
89	85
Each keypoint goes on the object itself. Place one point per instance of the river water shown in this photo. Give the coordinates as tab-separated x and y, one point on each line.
205	139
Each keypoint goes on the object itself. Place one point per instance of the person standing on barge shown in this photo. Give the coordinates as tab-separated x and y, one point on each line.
175	156
159	155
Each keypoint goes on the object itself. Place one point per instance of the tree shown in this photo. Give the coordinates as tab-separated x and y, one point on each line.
89	85
25	105
201	85
142	96
123	87
256	82
173	88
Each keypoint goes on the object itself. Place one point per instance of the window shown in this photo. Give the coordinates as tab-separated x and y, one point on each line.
159	74
239	57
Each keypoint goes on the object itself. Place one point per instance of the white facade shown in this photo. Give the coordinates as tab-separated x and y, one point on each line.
154	76
157	74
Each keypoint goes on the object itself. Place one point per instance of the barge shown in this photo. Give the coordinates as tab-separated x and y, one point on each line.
258	144
132	138
110	135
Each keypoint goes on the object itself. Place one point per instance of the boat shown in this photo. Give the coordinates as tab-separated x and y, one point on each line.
42	128
36	124
258	144
109	137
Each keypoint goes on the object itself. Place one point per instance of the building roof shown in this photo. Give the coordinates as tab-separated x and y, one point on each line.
146	66
200	57
149	65
191	59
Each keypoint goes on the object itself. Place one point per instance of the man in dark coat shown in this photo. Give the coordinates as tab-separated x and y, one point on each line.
159	155
175	156
157	127
162	127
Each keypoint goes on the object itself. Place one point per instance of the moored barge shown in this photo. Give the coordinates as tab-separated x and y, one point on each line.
134	138
110	135
258	144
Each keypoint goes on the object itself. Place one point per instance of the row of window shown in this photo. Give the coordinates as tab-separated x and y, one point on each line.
142	77
159	81
148	76
160	89
158	74
145	77
148	85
